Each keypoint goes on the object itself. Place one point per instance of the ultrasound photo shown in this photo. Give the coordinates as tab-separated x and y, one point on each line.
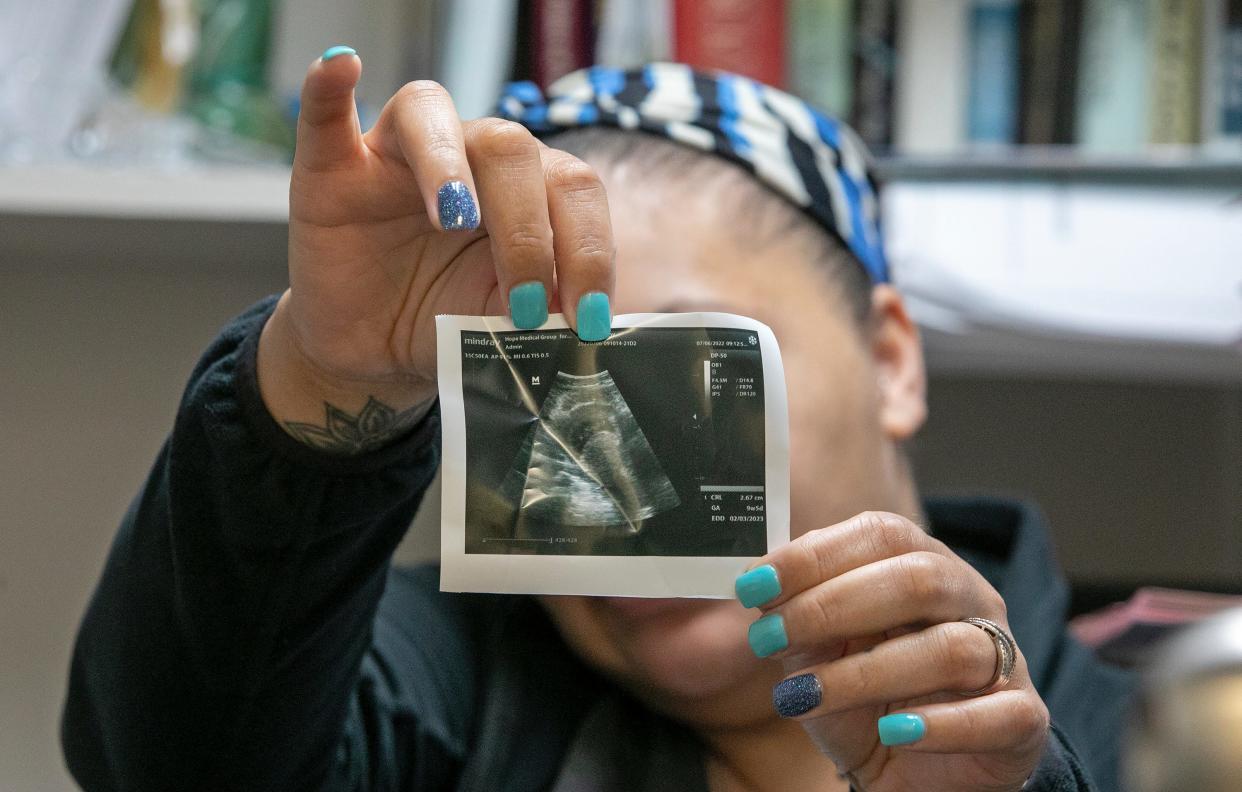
586	461
653	443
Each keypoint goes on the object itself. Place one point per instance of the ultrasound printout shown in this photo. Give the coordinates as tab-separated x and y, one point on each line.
654	463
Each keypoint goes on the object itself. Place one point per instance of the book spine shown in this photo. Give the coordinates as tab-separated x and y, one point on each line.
992	109
1222	116
1113	76
419	40
1038	70
1231	70
821	48
1048	69
1067	79
1176	26
741	37
930	88
874	70
476	40
633	33
563	41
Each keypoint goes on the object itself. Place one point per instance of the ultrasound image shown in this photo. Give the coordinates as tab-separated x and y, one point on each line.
586	462
649	443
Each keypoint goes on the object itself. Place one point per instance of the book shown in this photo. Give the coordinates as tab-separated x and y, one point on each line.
477	51
874	71
821	50
1112	97
1126	632
1176	38
1229	112
1222	75
992	103
420	32
744	38
1048	69
634	32
930	83
564	39
1080	264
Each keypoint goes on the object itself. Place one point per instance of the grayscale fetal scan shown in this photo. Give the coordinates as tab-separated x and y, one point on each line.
649	443
586	461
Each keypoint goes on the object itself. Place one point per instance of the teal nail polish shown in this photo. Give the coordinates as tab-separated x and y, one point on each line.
528	305
767	636
594	317
340	49
757	586
901	729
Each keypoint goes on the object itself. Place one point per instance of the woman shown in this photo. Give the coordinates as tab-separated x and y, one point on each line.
249	634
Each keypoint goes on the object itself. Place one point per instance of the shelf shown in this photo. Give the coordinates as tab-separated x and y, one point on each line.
254	194
1171	167
1006	354
225	194
968	254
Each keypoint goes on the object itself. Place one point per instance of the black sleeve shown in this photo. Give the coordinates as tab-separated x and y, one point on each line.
1089	700
232	642
1091	703
1059	769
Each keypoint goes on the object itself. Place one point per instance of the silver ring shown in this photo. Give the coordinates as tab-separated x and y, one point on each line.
1006	655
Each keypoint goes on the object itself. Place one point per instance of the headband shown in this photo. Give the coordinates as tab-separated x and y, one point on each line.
812	160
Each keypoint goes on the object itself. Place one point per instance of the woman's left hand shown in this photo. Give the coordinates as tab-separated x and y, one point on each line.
872	609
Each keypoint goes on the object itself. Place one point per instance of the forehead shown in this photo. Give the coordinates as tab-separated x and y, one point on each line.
681	248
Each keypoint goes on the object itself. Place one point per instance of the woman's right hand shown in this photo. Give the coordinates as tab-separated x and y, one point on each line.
421	215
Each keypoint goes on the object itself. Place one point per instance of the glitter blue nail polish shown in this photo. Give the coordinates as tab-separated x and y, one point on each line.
767	636
797	695
901	728
757	586
458	211
340	49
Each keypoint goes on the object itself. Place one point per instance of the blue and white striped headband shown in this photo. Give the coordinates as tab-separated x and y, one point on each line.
814	161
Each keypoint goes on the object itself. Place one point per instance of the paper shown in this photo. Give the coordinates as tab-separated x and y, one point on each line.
1086	261
652	464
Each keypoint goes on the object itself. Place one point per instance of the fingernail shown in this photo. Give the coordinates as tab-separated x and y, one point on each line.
757	586
767	636
340	49
797	695
901	729
594	317
528	305
458	211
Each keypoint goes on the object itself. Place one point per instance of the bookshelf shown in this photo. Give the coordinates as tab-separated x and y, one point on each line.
906	73
41	208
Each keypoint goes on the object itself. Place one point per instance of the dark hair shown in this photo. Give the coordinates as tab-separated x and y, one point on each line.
768	216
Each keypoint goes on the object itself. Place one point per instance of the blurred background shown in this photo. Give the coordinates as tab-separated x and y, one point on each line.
1064	210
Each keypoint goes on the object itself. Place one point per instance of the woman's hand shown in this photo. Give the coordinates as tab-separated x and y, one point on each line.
422	215
871	608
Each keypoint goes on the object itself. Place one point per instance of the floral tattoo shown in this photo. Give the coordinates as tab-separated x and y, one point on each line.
376	425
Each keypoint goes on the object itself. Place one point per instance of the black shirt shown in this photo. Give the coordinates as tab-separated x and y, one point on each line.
249	633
